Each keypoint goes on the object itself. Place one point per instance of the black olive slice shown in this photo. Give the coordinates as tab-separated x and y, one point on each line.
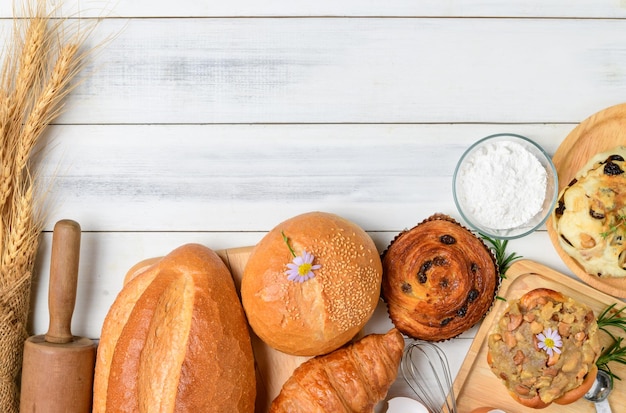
612	169
596	215
566	240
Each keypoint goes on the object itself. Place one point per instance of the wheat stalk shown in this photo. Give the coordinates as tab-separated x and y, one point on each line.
36	76
48	105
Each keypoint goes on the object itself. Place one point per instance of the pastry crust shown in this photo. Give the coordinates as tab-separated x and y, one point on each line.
353	378
590	217
531	376
439	279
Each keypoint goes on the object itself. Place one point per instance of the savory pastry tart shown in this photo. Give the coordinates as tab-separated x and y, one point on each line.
590	216
439	279
544	348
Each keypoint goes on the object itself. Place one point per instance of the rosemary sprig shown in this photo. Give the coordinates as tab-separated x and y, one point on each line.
611	317
616	352
503	259
621	220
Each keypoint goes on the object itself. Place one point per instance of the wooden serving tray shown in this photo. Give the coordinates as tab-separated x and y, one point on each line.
598	133
477	386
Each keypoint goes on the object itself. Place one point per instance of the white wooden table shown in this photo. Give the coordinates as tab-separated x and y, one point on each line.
213	121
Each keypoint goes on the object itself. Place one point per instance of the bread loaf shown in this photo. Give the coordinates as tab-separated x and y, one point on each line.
325	307
176	340
351	379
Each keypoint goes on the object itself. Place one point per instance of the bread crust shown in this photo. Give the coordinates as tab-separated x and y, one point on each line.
322	313
175	340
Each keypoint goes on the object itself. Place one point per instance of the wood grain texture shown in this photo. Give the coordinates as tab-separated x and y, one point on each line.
339	70
477	386
250	177
247	8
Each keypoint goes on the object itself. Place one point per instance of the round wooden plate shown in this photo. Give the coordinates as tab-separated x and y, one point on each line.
600	132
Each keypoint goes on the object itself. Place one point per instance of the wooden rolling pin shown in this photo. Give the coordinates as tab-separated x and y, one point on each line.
58	368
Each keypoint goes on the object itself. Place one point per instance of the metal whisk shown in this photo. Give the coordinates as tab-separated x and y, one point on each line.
425	369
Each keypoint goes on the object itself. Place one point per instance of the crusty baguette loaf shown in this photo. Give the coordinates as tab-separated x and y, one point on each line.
322	313
176	340
353	378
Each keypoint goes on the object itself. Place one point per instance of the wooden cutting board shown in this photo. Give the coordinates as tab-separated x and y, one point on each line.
273	367
477	386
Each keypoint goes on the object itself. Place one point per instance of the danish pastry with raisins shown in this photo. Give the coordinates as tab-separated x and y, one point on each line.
439	279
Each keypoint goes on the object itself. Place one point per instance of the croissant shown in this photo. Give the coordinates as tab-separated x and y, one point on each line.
353	378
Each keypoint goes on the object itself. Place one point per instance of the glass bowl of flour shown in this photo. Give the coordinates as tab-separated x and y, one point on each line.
505	186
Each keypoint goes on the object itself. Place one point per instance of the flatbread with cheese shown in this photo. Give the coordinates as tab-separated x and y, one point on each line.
590	216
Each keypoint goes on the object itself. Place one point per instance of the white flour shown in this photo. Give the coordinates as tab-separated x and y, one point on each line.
503	185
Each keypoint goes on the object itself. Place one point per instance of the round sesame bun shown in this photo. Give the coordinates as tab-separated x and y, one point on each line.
320	314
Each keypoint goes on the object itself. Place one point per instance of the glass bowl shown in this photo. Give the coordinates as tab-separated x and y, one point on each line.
505	186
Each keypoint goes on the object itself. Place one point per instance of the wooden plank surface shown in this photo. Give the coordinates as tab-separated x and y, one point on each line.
231	177
343	70
248	8
212	122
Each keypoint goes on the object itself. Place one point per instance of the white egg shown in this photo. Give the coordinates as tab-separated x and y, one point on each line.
405	405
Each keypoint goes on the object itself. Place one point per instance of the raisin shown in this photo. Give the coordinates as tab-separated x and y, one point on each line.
445	321
461	311
474	267
596	215
472	295
406	288
421	274
615	157
611	168
443	283
447	239
440	261
560	209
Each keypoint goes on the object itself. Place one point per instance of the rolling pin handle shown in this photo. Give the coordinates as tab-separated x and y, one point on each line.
63	280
